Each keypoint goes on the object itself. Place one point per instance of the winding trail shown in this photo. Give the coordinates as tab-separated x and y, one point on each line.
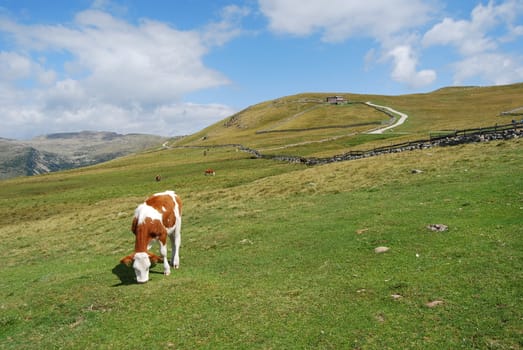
403	118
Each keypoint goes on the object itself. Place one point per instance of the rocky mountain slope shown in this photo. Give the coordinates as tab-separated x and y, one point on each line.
68	150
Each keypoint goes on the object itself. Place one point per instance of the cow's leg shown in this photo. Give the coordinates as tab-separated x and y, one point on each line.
163	252
176	241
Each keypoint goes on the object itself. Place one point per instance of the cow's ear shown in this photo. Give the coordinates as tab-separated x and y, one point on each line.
128	260
154	258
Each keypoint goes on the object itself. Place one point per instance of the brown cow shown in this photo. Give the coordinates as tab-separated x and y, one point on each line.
155	219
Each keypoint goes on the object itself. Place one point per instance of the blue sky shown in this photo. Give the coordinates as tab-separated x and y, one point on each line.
173	67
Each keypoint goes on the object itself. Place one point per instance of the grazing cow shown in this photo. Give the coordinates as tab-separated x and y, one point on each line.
155	219
158	178
210	172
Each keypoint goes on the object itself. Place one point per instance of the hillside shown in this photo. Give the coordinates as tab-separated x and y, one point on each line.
62	151
290	124
279	255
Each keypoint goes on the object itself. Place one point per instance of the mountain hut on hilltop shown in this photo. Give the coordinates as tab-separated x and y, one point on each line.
335	100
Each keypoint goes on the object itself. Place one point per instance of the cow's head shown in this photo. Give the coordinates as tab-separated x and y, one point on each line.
141	263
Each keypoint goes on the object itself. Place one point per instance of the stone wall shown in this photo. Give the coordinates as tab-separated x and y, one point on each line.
504	132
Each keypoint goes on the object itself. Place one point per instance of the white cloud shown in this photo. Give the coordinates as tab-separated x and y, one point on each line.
117	75
517	30
229	27
338	20
467	37
14	66
183	115
491	67
405	68
391	23
26	121
480	39
65	94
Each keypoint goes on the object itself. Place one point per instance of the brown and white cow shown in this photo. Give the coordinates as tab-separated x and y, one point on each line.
155	219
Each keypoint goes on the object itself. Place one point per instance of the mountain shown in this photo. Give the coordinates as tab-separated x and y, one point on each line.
63	151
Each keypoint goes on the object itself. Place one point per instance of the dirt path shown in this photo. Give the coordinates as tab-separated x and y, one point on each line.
401	120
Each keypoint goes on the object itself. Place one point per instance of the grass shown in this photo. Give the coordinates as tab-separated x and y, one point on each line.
274	255
331	116
445	109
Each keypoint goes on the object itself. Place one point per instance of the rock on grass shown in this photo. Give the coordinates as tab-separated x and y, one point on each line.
379	250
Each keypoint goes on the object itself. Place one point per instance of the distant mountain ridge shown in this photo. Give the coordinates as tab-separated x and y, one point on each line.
61	151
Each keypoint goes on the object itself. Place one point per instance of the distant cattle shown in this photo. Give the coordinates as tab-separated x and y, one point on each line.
210	172
155	219
158	178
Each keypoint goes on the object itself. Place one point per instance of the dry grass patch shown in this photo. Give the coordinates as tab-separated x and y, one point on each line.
372	173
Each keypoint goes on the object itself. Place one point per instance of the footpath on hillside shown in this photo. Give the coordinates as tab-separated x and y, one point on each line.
496	132
401	120
394	122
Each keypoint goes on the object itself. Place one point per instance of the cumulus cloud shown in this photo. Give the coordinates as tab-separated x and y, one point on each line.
470	36
150	62
387	22
26	121
479	41
338	20
492	67
112	69
405	68
14	66
398	27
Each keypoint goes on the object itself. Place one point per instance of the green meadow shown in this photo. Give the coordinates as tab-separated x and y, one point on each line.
277	255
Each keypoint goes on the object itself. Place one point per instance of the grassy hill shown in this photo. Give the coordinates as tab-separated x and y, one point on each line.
445	109
276	255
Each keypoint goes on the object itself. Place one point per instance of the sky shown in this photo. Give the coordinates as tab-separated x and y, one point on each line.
174	67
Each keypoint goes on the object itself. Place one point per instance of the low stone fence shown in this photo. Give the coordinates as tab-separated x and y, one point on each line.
503	132
453	138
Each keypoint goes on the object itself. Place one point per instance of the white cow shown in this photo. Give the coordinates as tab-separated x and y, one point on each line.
155	219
